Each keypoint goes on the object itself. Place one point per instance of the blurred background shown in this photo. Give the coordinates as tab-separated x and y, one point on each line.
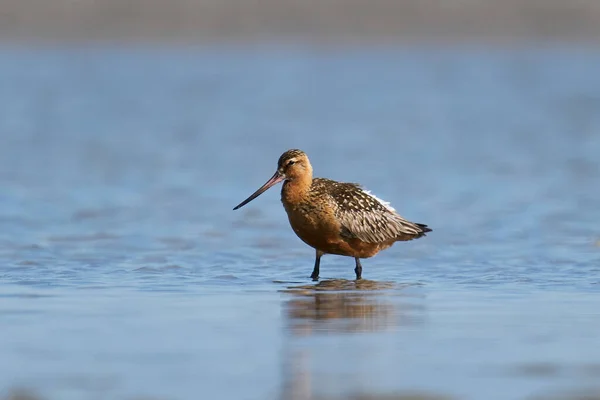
130	129
201	21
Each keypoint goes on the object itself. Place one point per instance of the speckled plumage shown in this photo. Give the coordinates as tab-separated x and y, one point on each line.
336	217
364	216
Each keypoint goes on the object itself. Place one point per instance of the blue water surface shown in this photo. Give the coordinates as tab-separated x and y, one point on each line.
124	271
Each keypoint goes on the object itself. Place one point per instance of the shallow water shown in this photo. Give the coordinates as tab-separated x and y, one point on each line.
126	273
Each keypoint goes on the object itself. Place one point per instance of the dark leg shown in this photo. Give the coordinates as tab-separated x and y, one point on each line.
315	273
358	269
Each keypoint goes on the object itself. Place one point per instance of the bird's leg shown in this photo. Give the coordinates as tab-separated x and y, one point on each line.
315	273
358	269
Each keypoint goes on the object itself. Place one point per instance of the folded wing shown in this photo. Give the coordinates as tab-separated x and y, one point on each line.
365	217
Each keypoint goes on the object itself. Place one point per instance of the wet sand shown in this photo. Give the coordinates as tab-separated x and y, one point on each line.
311	21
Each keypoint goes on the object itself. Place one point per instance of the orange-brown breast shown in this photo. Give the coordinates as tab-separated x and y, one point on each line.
316	225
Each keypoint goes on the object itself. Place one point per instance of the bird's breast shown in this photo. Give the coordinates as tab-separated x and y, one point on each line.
312	223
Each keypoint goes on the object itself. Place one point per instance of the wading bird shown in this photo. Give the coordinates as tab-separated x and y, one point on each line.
335	217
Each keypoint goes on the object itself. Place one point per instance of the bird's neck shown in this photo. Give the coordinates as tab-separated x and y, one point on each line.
296	190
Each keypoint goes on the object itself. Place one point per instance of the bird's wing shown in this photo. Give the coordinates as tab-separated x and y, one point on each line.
365	217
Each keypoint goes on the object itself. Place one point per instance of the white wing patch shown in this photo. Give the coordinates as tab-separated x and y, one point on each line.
384	203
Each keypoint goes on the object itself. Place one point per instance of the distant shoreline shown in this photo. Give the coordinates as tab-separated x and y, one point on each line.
301	21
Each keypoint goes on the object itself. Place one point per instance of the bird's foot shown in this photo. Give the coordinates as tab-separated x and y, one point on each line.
358	270
315	274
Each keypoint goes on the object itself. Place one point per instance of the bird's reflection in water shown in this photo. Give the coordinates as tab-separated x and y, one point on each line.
348	306
339	307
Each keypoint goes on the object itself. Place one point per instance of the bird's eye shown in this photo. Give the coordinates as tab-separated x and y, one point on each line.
291	162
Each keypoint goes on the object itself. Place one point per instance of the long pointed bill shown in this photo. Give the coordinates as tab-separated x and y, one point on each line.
275	179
